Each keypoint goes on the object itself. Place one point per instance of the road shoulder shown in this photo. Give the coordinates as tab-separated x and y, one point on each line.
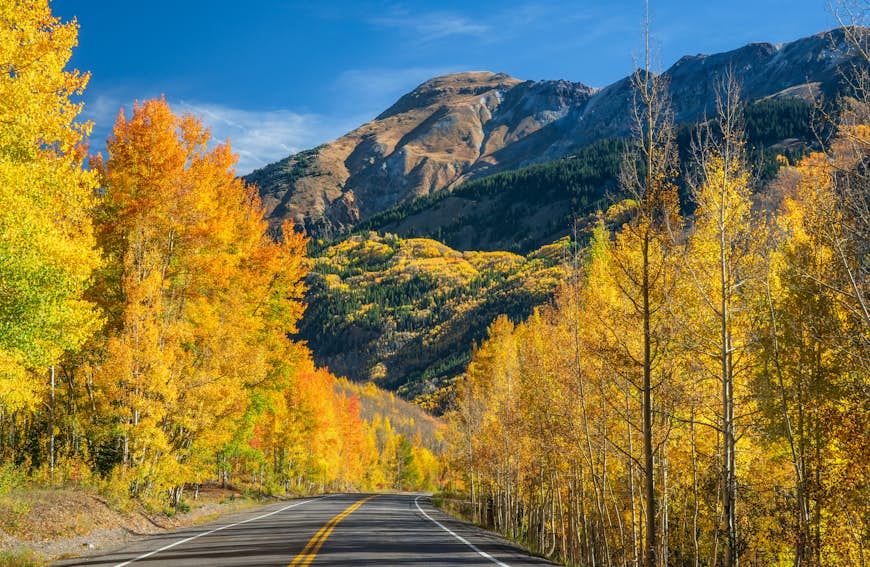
52	524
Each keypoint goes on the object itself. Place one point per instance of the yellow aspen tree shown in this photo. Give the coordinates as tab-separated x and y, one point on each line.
606	401
484	397
643	257
47	246
202	301
813	388
723	262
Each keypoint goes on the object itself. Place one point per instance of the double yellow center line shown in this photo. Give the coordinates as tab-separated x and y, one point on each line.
307	555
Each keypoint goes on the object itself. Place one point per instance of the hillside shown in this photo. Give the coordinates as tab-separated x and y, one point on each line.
404	313
378	406
465	126
523	209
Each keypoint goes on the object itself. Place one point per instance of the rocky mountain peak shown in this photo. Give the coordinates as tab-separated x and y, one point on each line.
445	87
462	126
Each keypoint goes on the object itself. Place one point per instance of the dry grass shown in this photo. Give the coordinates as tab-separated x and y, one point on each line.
38	525
23	557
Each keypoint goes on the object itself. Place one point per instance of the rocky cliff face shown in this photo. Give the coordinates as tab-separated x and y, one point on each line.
444	131
469	125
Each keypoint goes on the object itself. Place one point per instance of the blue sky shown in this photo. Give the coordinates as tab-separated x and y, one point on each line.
277	77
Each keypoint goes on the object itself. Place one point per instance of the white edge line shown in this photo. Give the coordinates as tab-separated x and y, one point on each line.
459	537
191	538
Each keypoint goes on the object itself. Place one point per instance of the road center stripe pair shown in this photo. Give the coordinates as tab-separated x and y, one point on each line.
307	555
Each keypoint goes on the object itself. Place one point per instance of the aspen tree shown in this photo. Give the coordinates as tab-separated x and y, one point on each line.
47	245
815	380
643	256
199	288
723	261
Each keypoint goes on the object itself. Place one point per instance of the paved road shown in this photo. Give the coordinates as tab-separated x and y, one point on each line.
340	530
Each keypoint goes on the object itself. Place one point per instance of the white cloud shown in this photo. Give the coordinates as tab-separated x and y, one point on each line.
430	26
263	137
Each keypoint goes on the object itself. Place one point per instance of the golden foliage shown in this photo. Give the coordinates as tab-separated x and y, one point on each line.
47	250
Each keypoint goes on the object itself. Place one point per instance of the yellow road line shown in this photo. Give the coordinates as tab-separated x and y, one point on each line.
307	555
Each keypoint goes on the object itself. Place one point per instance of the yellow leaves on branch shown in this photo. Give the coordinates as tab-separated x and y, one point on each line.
35	89
47	248
208	297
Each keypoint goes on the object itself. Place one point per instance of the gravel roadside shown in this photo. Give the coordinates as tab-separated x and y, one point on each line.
49	524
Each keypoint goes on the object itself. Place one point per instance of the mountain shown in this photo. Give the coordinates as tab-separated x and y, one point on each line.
465	126
522	209
447	129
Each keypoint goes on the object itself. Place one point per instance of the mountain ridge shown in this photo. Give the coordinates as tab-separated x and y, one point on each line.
463	126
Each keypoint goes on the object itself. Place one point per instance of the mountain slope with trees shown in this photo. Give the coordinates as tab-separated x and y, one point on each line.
404	313
525	208
465	126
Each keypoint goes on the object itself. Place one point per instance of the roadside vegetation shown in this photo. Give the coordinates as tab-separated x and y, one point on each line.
145	313
697	392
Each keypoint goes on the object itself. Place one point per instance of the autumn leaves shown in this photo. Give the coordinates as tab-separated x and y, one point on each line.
697	393
151	286
47	245
204	300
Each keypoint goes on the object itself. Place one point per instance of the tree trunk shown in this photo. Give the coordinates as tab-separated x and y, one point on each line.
649	554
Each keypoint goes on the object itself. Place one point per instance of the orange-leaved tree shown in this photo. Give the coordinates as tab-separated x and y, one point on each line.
200	298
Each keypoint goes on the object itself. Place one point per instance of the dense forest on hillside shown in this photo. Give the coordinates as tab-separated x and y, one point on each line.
404	313
526	208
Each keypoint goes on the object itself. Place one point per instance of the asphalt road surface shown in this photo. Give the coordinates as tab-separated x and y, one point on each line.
382	530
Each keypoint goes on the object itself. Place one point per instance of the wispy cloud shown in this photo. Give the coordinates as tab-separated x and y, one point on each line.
259	137
430	26
509	23
102	111
262	137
